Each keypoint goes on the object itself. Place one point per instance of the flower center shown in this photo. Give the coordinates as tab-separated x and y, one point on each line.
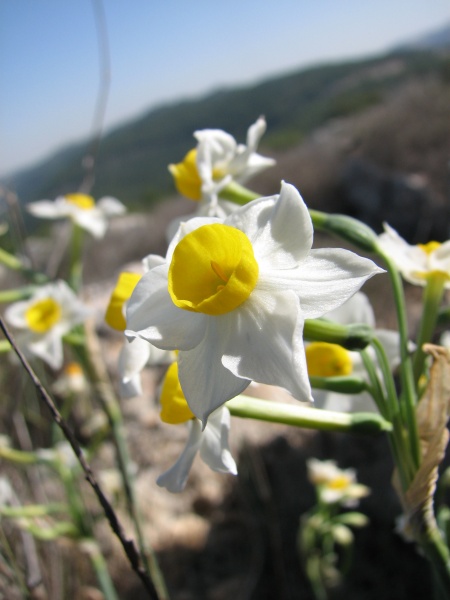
124	288
187	179
42	315
174	408
82	201
73	369
430	247
213	270
340	482
328	360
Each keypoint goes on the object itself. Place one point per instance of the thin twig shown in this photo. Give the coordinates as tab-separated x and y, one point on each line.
102	96
127	543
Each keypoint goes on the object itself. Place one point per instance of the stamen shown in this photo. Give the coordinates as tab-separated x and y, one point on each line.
219	272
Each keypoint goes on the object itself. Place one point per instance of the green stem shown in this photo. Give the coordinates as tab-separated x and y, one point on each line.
434	290
234	192
391	394
11	261
76	258
32	510
299	416
341	385
351	337
409	394
101	570
15	264
377	391
402	456
347	228
5	346
19	457
22	293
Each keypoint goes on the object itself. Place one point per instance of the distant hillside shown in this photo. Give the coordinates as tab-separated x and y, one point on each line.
434	40
133	158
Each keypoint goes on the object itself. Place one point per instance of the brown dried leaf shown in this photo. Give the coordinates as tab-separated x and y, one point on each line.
432	416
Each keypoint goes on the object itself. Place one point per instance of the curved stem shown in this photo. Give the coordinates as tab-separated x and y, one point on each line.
432	297
299	416
409	394
76	258
101	570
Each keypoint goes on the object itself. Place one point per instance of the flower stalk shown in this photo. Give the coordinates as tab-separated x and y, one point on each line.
350	337
434	291
247	407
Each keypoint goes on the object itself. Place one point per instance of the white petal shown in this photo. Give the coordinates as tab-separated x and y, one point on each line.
175	478
133	357
255	133
356	309
153	316
151	261
49	348
15	314
408	259
93	221
206	383
440	258
222	145
214	449
130	388
47	209
325	280
265	343
255	164
279	228
111	207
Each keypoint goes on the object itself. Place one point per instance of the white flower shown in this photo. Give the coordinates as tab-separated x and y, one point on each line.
220	157
45	318
332	360
213	164
82	209
335	484
211	443
417	263
71	381
233	294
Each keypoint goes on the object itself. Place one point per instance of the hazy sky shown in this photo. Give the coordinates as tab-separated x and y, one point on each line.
164	50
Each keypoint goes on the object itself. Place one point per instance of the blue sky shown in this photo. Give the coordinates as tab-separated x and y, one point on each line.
166	50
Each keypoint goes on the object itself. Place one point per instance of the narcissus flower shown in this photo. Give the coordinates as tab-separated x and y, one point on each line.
211	443
45	318
135	353
332	360
335	485
217	159
417	263
233	294
82	209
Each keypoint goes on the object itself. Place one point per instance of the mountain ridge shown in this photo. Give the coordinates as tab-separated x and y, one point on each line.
133	157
